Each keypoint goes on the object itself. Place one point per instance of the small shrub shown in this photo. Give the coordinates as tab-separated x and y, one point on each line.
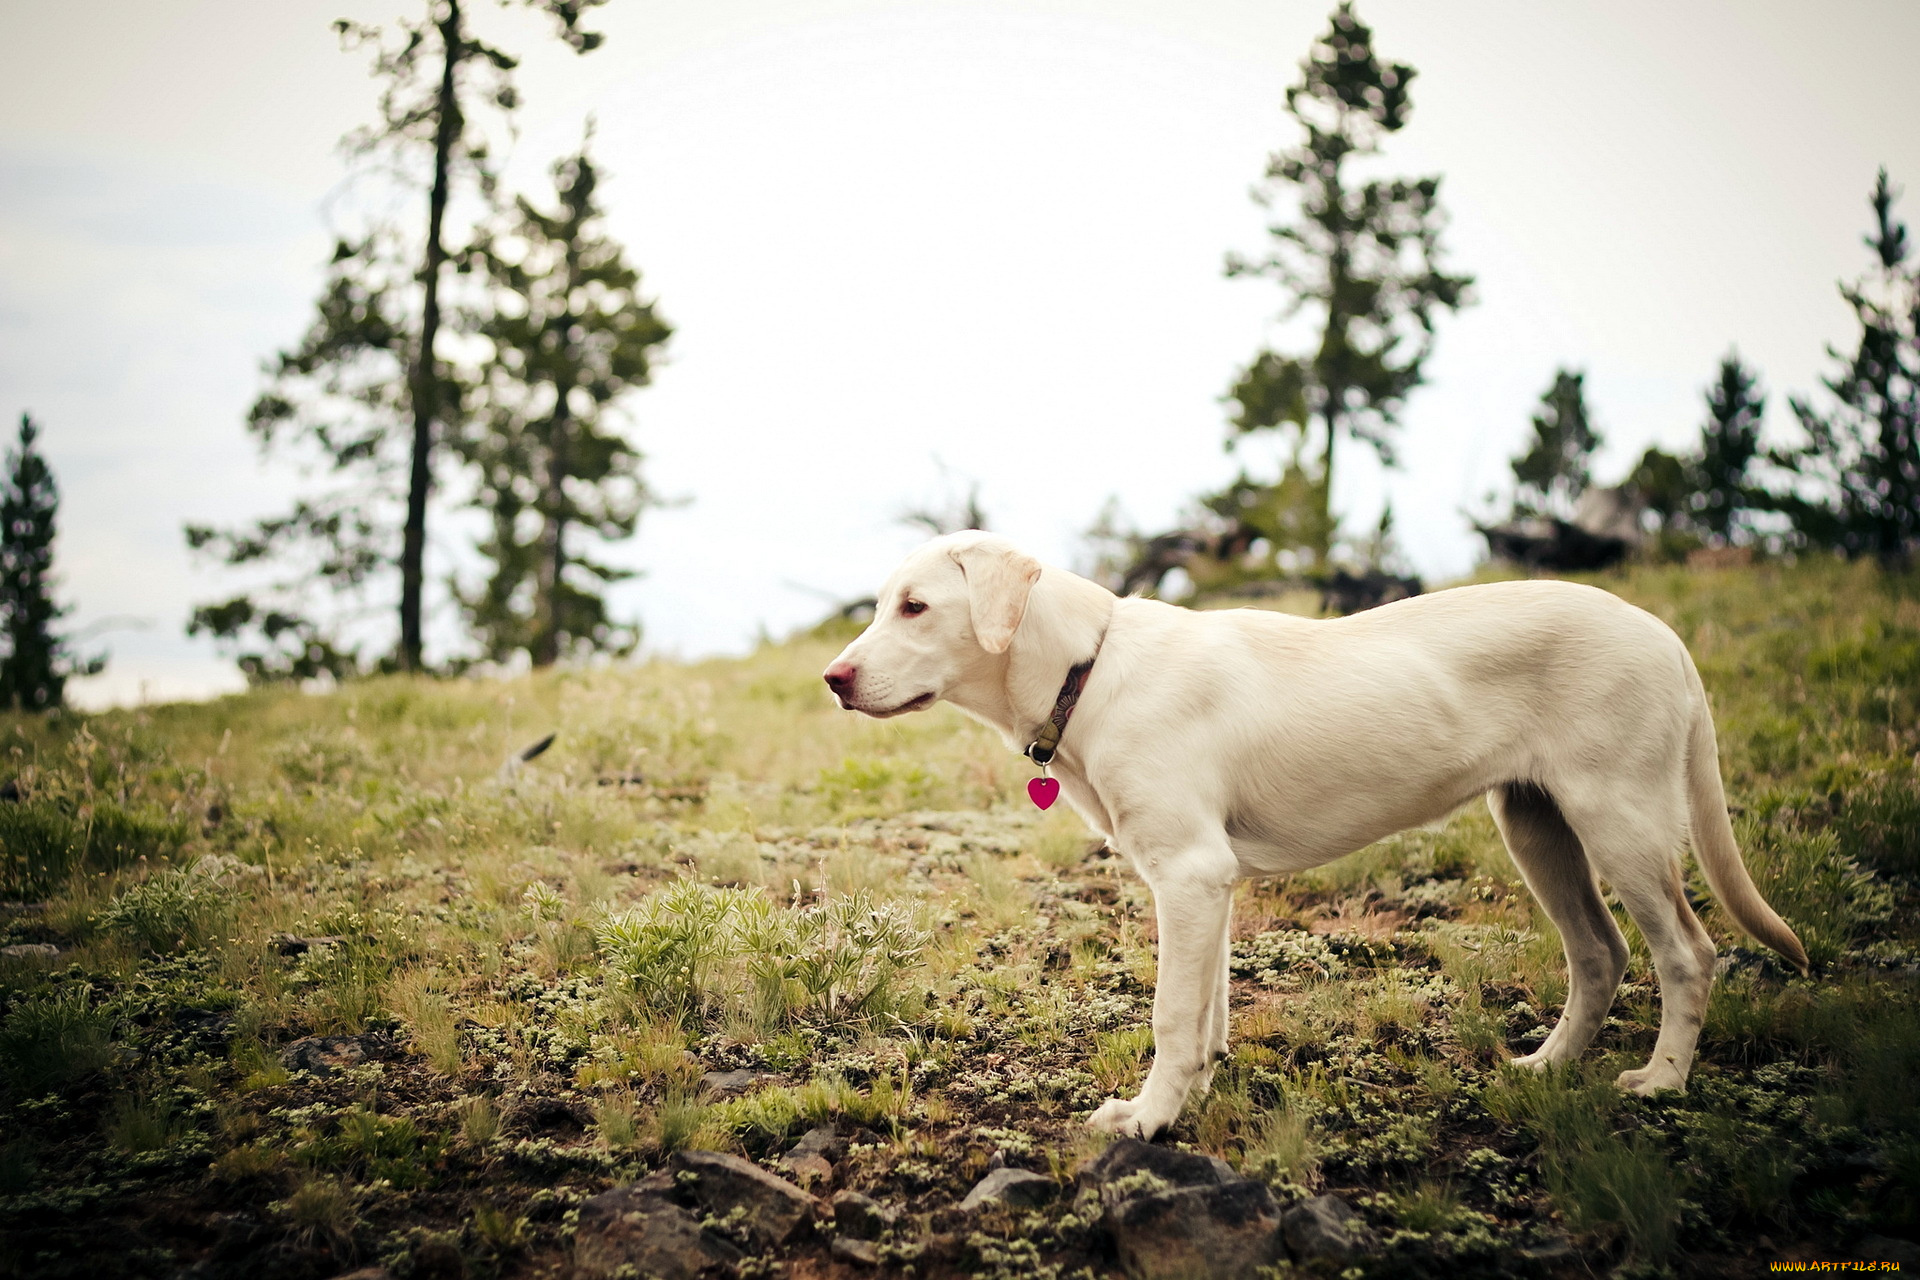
143	1122
856	786
1879	823
1623	1189
1281	1145
427	1013
1478	1029
247	1162
693	952
1060	843
1434	1206
499	1230
344	986
676	1123
170	911
322	1211
616	1119
1117	1056
479	1120
1826	897
19	1166
366	1143
55	1039
1756	1172
44	842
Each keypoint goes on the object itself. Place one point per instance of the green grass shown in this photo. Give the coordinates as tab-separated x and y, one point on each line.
713	870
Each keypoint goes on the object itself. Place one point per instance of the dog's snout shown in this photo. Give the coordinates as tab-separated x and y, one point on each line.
840	677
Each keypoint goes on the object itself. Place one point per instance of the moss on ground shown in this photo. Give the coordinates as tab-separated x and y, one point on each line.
527	969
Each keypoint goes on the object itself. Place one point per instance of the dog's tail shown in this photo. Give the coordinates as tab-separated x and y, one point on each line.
1714	845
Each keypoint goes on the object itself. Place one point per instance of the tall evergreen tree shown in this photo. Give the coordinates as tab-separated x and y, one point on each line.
1722	486
36	666
570	336
1363	257
1865	450
1556	468
367	391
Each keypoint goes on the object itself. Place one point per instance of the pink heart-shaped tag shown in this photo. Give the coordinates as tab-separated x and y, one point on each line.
1044	791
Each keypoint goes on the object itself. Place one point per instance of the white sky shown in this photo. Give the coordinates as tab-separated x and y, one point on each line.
987	233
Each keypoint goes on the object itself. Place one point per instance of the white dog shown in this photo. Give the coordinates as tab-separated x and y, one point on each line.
1214	746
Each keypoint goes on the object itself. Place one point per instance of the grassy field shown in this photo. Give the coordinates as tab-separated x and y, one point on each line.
525	973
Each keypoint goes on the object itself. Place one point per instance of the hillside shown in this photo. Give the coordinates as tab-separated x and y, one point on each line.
295	983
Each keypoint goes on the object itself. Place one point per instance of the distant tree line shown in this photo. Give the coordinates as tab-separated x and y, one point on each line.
1851	485
478	350
37	661
1363	261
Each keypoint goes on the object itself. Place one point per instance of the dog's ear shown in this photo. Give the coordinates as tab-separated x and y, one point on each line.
999	579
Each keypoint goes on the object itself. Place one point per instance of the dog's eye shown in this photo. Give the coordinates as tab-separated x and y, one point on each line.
913	608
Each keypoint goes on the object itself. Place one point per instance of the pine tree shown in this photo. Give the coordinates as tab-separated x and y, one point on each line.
1363	256
367	392
1556	468
37	664
1865	451
1722	487
570	336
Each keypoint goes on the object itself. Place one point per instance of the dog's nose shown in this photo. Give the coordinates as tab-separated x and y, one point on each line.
840	677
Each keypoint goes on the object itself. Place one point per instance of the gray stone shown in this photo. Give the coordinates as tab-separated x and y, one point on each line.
1887	1249
1327	1227
731	1084
861	1216
848	1249
324	1055
630	1231
30	951
291	944
1011	1186
773	1210
1115	1172
1548	1246
1227	1231
811	1160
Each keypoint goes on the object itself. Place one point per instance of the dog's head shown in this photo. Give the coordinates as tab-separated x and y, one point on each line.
944	618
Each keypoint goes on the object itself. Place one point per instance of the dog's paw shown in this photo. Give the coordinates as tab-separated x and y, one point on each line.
1535	1061
1128	1118
1116	1115
1651	1079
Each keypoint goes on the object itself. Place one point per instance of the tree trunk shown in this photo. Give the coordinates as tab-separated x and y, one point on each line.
426	370
553	550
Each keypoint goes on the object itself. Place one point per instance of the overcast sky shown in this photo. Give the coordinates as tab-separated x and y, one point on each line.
893	236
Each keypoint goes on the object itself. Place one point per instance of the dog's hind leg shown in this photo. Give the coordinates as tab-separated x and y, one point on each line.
1632	835
1193	902
1555	866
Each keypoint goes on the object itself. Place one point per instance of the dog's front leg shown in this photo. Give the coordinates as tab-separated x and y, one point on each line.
1193	900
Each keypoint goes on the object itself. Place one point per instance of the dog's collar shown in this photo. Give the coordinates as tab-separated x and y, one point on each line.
1047	741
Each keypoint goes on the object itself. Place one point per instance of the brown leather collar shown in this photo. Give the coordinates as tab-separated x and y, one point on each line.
1041	749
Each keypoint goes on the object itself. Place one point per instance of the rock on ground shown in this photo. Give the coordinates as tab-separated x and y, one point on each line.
1327	1227
811	1160
1178	1216
633	1231
1011	1186
323	1055
1221	1232
861	1216
1115	1171
773	1210
731	1084
848	1249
